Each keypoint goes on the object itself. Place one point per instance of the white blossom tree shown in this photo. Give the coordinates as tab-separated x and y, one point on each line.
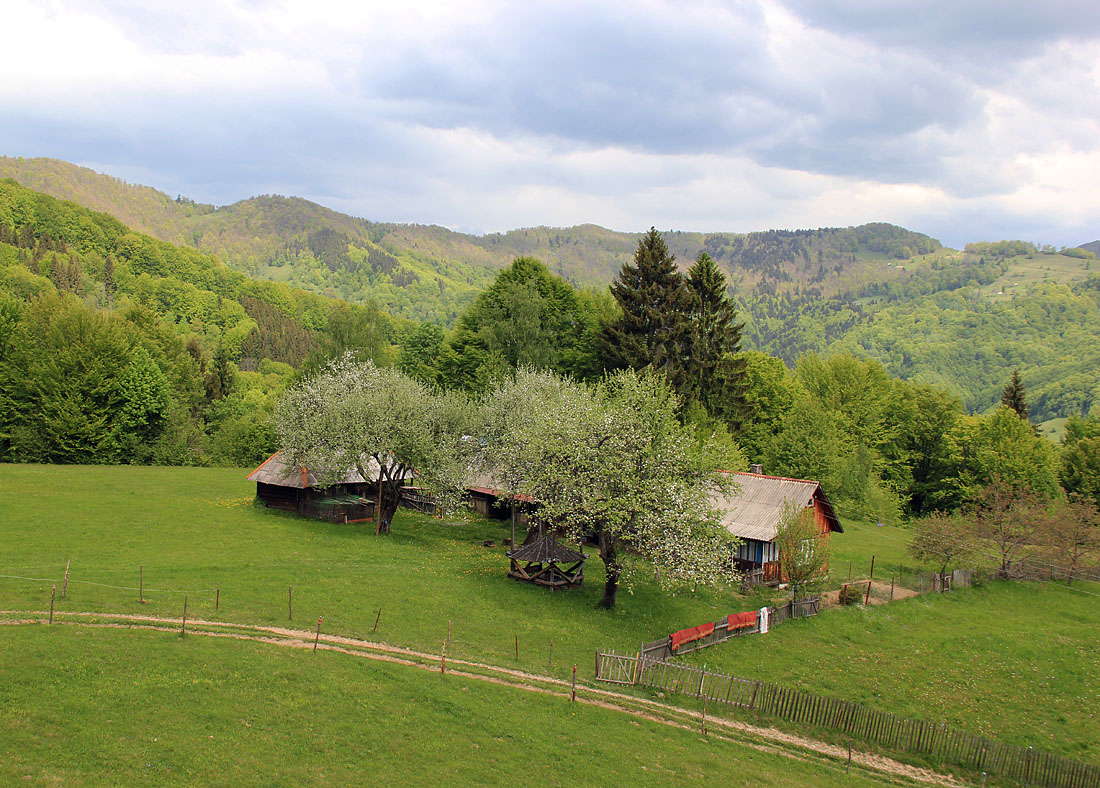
352	413
615	461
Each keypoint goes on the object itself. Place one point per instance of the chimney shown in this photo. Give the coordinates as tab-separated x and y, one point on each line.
756	468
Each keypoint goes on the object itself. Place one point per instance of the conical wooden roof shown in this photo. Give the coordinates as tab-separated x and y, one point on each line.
544	550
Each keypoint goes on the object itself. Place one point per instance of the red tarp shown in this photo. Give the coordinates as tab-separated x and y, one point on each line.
693	633
741	620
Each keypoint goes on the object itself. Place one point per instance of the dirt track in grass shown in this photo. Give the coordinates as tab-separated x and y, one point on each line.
765	739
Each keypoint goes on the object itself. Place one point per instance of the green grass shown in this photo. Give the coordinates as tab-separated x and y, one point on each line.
1014	661
87	708
197	530
1024	271
862	541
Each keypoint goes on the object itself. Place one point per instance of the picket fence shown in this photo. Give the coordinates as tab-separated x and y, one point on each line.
937	740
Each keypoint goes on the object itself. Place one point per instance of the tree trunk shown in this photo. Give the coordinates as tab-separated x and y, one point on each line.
388	499
609	554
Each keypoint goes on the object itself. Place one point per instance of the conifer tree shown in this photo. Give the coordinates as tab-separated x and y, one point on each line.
714	369
653	329
1013	396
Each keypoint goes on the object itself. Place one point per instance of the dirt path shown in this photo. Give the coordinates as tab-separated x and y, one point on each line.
765	739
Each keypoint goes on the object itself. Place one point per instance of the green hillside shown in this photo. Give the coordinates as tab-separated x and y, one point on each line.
117	347
431	273
1013	661
959	319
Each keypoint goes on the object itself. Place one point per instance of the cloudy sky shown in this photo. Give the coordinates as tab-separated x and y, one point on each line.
966	120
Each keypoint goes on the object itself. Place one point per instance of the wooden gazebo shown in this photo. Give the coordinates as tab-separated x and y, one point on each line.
546	563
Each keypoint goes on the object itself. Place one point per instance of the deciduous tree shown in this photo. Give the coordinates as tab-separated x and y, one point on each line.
353	413
614	461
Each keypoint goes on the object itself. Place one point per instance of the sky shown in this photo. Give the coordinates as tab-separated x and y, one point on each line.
965	120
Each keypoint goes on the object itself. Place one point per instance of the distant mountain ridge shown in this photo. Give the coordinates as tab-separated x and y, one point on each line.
430	273
960	319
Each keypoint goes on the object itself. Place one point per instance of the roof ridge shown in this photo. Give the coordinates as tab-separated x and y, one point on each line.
777	478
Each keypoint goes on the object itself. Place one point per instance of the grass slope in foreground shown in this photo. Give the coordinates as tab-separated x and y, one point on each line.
1013	661
116	707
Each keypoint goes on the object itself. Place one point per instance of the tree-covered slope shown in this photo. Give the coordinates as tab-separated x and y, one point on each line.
117	347
432	273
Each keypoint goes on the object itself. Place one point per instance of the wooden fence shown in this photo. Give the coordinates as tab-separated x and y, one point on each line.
936	740
661	649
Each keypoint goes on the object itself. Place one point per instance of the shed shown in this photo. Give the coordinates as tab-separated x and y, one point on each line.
546	563
294	489
753	515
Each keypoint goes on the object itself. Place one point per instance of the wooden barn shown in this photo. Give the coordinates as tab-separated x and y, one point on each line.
754	513
488	499
294	489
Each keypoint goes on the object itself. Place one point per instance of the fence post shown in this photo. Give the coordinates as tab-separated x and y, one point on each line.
573	690
872	567
318	636
376	619
53	594
891	588
183	624
65	582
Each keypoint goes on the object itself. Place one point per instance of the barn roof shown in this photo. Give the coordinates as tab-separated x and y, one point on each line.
546	549
275	470
755	511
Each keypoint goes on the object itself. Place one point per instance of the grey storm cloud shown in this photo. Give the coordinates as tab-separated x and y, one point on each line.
665	83
545	112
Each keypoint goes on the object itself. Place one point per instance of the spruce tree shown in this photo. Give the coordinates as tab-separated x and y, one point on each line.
714	369
1013	396
653	329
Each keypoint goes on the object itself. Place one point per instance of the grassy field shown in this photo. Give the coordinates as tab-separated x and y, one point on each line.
1024	271
1017	662
85	708
1013	661
197	530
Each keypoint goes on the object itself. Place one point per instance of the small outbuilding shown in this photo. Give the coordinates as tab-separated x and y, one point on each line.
754	513
294	489
546	563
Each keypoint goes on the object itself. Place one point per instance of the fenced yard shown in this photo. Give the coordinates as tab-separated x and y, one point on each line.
938	741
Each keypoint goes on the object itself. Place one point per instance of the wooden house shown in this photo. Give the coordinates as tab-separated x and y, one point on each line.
486	498
294	489
753	515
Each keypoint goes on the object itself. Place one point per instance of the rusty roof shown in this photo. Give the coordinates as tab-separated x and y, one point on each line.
275	470
755	511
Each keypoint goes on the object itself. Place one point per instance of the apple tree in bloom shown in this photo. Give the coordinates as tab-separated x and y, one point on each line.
613	461
352	413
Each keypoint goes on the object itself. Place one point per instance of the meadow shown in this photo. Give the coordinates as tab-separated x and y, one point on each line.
1011	661
85	708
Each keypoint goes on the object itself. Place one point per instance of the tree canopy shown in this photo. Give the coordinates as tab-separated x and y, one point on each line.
354	412
614	461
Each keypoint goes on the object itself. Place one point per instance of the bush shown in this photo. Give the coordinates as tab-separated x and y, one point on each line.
852	595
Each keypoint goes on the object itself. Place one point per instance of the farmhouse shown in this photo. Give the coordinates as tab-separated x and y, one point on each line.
753	515
294	489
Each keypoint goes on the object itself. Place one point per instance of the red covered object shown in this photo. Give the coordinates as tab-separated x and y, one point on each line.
693	633
741	620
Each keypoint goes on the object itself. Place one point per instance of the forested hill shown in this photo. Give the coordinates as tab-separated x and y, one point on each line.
963	319
431	273
117	347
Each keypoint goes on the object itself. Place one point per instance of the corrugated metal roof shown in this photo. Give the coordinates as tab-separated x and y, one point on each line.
755	512
275	470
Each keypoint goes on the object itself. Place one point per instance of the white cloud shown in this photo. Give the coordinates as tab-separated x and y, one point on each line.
489	116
